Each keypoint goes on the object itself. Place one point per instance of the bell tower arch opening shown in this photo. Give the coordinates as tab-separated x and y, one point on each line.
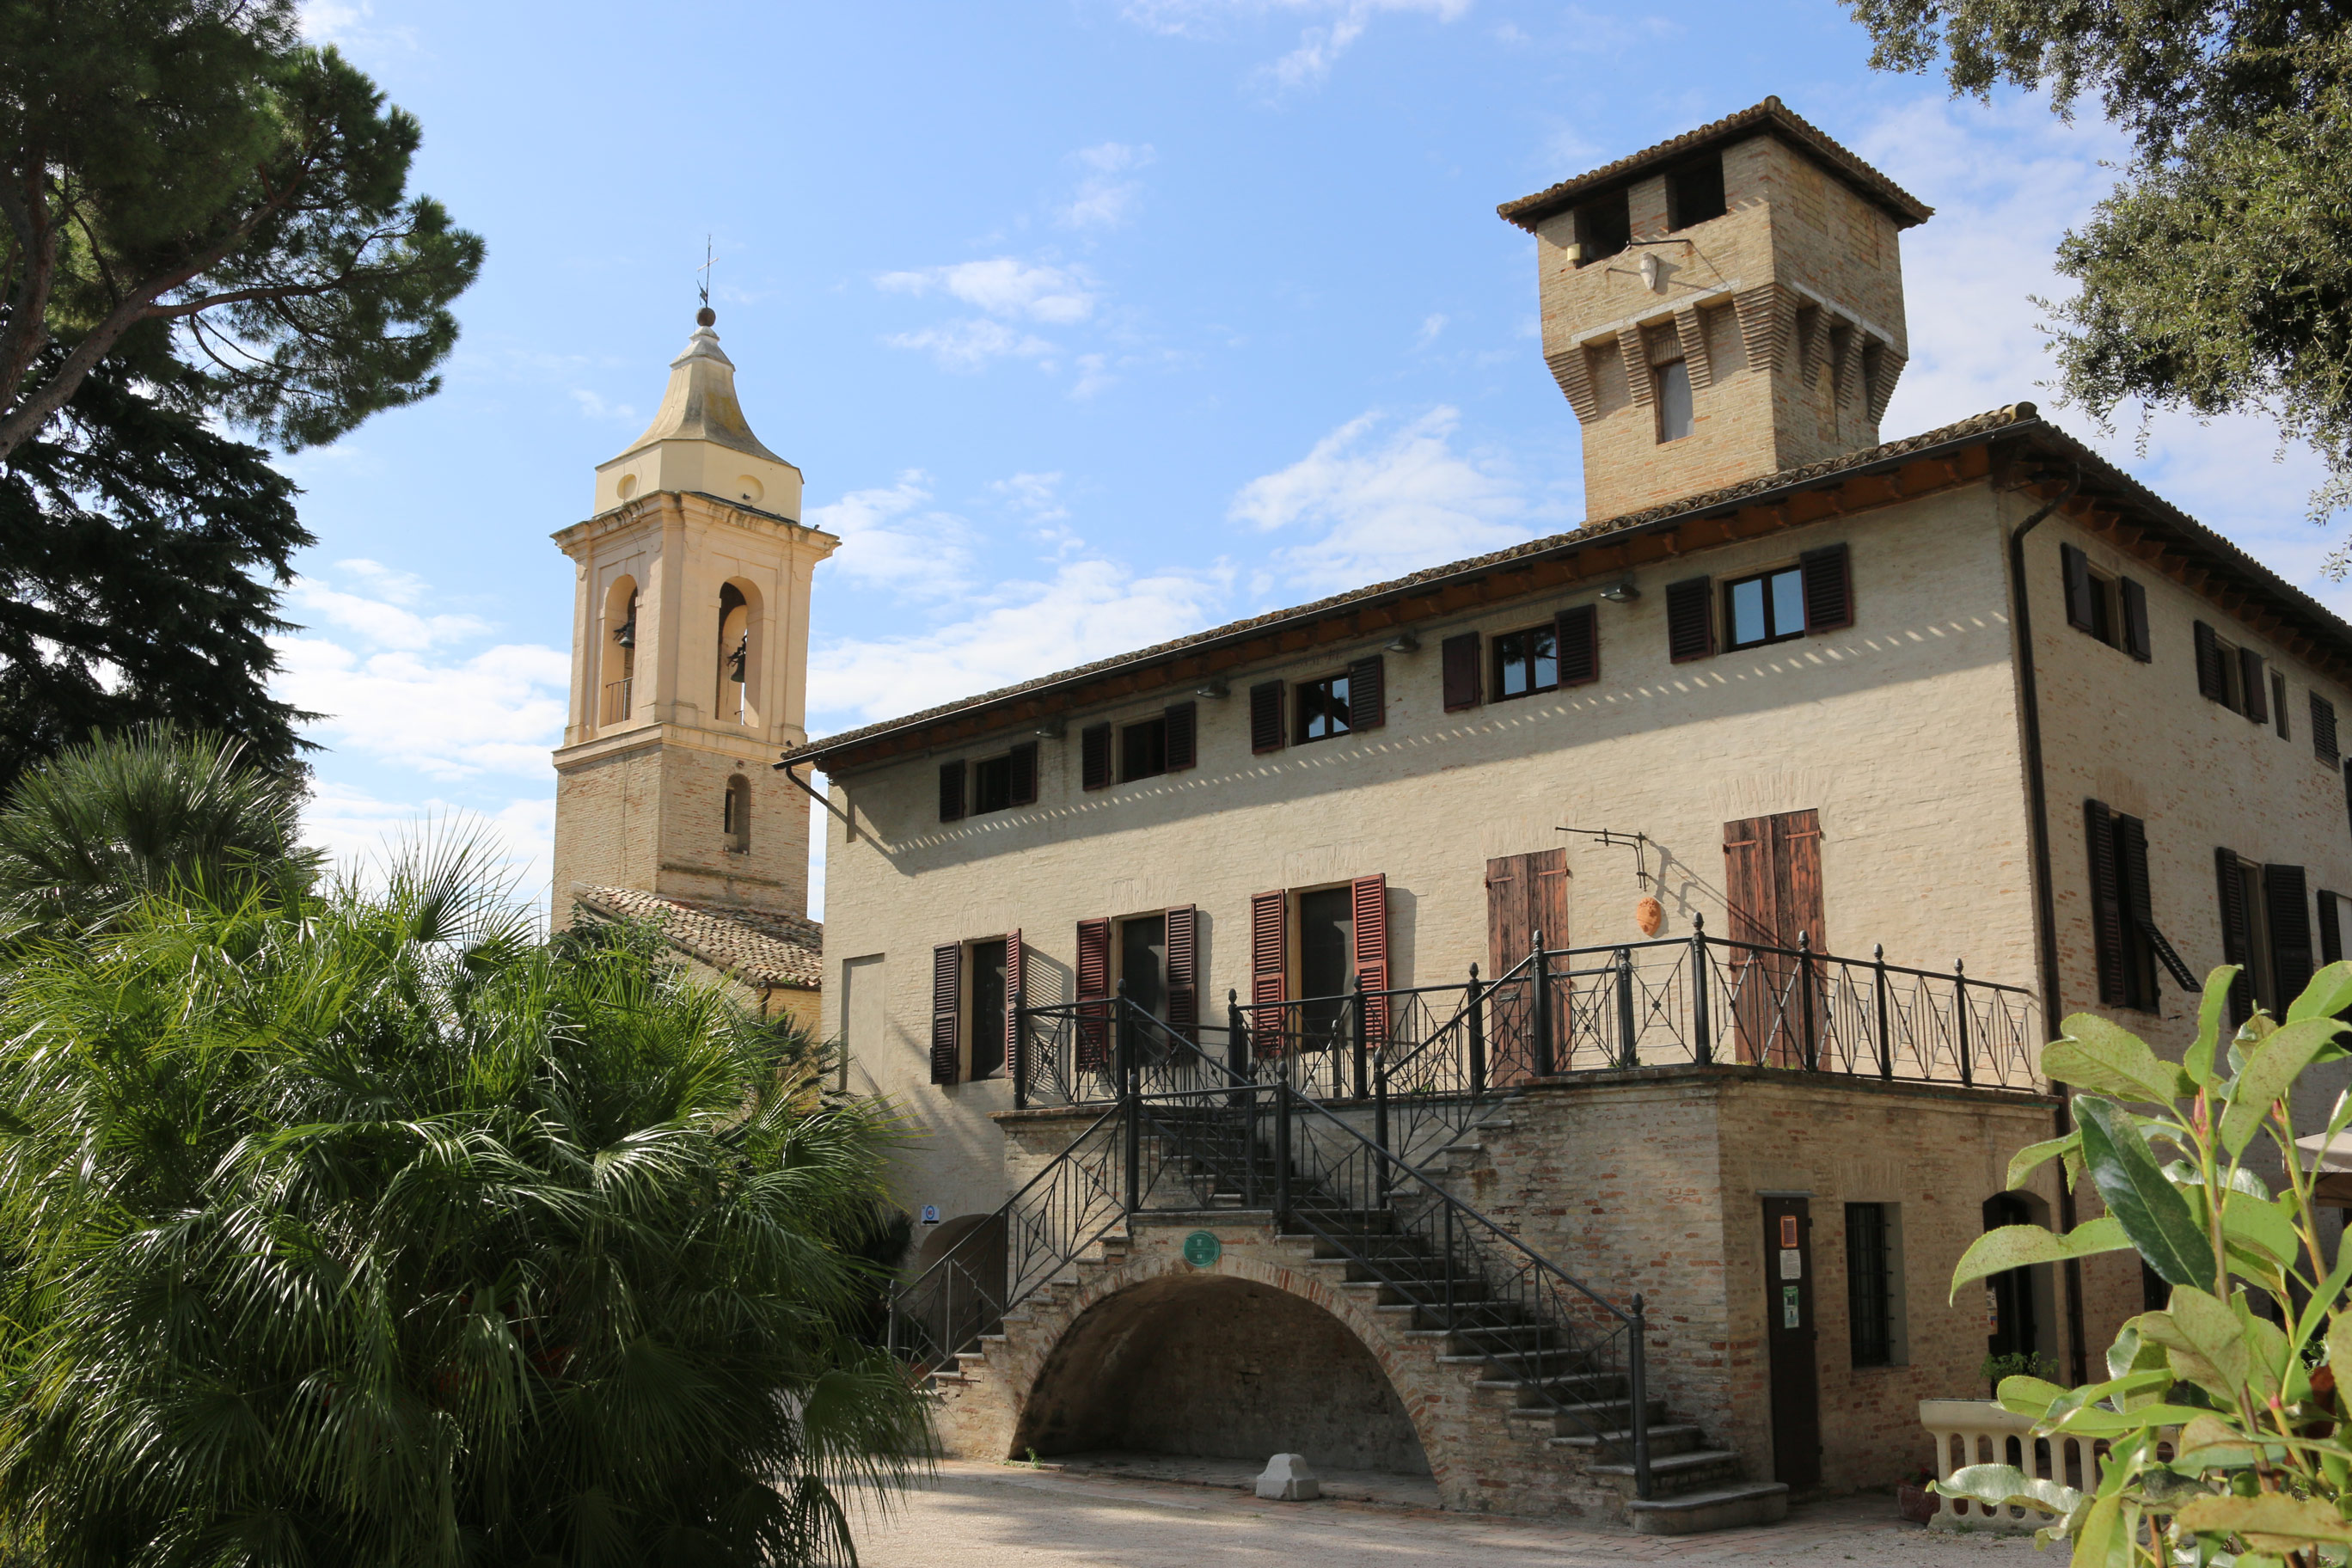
742	648
617	652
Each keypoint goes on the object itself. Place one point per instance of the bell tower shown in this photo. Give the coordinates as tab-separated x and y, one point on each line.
689	659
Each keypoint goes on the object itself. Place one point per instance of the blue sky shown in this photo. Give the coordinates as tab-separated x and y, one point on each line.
1090	323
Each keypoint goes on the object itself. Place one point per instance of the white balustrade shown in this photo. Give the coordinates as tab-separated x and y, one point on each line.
1979	1431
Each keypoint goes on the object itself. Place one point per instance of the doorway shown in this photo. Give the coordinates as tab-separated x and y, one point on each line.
1788	1336
1772	886
1326	940
2011	1308
989	1029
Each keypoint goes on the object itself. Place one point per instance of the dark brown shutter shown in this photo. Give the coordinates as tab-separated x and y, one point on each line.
1690	625
1368	693
2081	614
1506	913
947	1013
1184	972
2286	900
2136	640
951	792
1461	658
1265	716
2331	931
2140	914
1797	857
1371	939
1749	888
2212	681
2323	729
1016	994
1575	636
1184	734
2348	790
1269	970
1094	756
1024	773
2106	902
2257	685
1093	978
1829	588
2237	933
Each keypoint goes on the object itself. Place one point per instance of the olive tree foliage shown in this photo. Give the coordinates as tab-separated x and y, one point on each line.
2254	1412
190	190
2217	277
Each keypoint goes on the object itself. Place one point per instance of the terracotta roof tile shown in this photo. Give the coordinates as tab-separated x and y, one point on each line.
758	947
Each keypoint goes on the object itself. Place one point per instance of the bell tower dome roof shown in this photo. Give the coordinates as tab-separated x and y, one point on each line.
700	441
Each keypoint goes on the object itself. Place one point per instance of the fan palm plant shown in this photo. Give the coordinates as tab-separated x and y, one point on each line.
376	1232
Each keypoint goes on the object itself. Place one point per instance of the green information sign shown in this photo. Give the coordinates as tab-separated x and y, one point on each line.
1202	1248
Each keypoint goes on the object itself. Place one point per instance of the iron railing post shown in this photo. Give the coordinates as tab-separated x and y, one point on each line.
1020	1049
1359	1020
1805	999
1132	1101
1477	1012
1448	1210
1960	1007
1637	1380
1237	1045
1281	1152
1539	976
1700	1021
1628	1055
1878	984
1380	1119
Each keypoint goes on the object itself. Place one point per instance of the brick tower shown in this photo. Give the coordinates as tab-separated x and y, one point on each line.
690	661
1722	306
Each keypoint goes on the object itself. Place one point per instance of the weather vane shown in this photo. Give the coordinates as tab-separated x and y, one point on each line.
704	270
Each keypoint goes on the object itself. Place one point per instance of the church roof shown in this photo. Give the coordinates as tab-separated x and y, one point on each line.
765	948
700	403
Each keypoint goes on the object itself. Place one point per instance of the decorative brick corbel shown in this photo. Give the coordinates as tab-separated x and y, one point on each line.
1882	367
1693	340
1845	362
1765	325
1812	343
1573	371
1636	355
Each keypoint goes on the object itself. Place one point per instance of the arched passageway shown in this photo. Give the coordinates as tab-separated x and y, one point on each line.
1219	1367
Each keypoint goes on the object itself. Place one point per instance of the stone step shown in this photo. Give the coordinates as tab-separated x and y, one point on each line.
1714	1508
1695	1469
1667	1438
1593	1415
1568	1388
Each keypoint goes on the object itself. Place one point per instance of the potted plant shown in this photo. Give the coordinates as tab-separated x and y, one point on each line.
1913	1498
2016	1363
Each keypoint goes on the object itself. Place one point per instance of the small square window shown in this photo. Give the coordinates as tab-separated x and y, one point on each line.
1603	228
1323	708
1143	750
1526	662
1695	192
1675	418
1767	608
991	785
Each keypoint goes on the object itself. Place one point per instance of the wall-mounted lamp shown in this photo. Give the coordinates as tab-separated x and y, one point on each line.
1051	730
1212	688
1405	642
1620	593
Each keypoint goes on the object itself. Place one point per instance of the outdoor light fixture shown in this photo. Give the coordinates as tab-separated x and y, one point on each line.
1210	688
1405	642
1622	592
1050	729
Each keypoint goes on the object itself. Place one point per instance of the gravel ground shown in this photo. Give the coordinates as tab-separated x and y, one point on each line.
998	1516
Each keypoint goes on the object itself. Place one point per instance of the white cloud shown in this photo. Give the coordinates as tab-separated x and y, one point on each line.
382	617
361	832
1093	376
1336	26
595	407
350	24
1430	327
1388	500
1106	197
1039	495
499	710
889	538
1003	285
970	344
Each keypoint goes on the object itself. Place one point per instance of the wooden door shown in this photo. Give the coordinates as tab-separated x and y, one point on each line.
1772	885
1526	894
1788	1335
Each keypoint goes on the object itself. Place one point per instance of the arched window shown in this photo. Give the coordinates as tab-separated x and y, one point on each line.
734	655
739	815
619	654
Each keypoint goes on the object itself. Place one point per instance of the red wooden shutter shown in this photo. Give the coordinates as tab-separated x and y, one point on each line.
2106	902
1575	638
1829	588
1094	994
1184	972
1269	970
2081	613
1690	622
1371	927
2212	681
1368	694
2237	933
2323	729
951	792
1024	773
947	1013
1094	756
2135	639
1016	995
1265	716
1460	654
2286	900
1183	732
2257	686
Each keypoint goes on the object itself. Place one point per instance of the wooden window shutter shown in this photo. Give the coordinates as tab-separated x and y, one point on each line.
1094	756
1024	773
1184	734
1690	621
2212	681
2257	685
2237	933
1460	655
2140	914
951	790
1576	636
1269	970
2323	729
1265	716
1372	940
1525	894
1829	588
1797	863
2286	900
2135	639
2348	790
947	1013
1184	972
2331	930
1016	996
1368	693
1093	978
2106	902
2080	613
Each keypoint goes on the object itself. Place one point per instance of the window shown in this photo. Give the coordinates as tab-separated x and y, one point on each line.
1143	750
2114	610
1874	1283
1603	228
1526	662
989	1025
739	815
2278	703
2236	678
1767	608
1695	192
2266	930
994	784
2323	729
991	785
975	989
2125	939
1323	708
1674	400
734	655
